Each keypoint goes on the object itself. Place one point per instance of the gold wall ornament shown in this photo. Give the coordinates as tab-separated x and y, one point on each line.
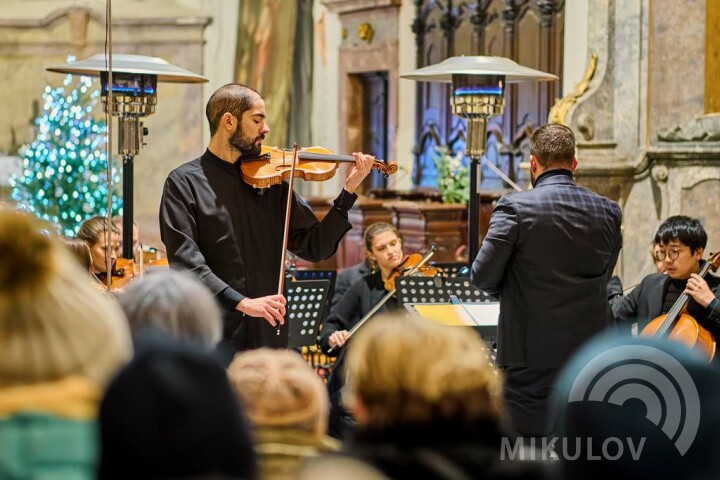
344	33
365	32
559	111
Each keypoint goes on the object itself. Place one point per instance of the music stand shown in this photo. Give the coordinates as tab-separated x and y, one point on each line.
312	274
452	269
304	310
459	302
438	290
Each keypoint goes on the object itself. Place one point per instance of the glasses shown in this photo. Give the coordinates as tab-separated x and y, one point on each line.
673	254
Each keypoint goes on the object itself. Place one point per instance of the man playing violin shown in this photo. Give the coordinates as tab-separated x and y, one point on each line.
231	235
383	247
548	255
681	243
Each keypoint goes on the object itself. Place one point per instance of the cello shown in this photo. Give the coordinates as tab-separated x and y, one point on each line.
679	326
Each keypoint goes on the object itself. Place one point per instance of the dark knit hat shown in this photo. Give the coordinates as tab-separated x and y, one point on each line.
638	407
171	413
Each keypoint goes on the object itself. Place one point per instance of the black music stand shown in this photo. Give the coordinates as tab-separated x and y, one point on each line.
306	301
331	275
438	290
452	269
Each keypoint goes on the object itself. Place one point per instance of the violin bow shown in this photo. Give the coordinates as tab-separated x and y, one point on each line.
389	295
286	232
501	174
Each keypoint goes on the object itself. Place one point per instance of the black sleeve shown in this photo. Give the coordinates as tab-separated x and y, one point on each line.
625	307
488	268
178	231
614	287
342	284
344	315
315	241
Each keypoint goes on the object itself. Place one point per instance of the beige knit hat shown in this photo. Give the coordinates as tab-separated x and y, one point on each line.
278	388
53	322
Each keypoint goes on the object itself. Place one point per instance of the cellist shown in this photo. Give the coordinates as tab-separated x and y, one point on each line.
682	242
231	235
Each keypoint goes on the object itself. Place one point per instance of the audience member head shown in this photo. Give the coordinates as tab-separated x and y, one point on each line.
117	221
79	250
552	146
681	243
637	408
383	247
93	232
173	302
171	413
53	322
404	371
279	390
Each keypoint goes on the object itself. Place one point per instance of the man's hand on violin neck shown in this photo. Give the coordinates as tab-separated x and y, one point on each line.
363	165
271	308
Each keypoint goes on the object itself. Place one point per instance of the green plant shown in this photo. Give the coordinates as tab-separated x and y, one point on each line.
453	177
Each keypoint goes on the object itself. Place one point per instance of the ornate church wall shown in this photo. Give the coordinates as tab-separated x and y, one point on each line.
643	138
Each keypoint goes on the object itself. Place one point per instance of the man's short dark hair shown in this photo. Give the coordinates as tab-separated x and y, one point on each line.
553	144
686	230
233	98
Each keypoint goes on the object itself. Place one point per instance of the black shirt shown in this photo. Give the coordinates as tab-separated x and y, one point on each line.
231	235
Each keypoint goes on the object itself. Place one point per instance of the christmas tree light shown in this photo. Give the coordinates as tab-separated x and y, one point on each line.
64	178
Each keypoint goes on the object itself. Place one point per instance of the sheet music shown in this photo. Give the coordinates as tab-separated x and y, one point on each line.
462	314
481	314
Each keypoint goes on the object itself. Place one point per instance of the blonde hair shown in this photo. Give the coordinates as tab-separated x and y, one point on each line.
410	371
277	388
94	228
53	322
80	250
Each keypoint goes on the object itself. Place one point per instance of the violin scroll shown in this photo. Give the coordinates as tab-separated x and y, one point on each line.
714	261
386	168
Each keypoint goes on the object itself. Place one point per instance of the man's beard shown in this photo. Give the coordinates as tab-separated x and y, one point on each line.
248	148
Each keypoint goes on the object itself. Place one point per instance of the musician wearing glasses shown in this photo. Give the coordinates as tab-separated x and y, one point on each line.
681	244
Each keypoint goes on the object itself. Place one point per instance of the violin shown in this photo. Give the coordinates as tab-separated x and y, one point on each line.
314	164
124	272
411	262
678	325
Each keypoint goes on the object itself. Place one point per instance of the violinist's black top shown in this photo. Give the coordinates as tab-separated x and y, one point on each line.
361	297
231	235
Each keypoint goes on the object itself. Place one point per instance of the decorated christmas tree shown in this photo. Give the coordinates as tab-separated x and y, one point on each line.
64	177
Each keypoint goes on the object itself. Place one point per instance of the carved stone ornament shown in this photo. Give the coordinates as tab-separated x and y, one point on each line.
365	32
702	129
558	112
660	173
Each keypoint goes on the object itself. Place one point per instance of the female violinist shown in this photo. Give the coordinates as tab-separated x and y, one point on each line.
682	243
383	247
93	232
